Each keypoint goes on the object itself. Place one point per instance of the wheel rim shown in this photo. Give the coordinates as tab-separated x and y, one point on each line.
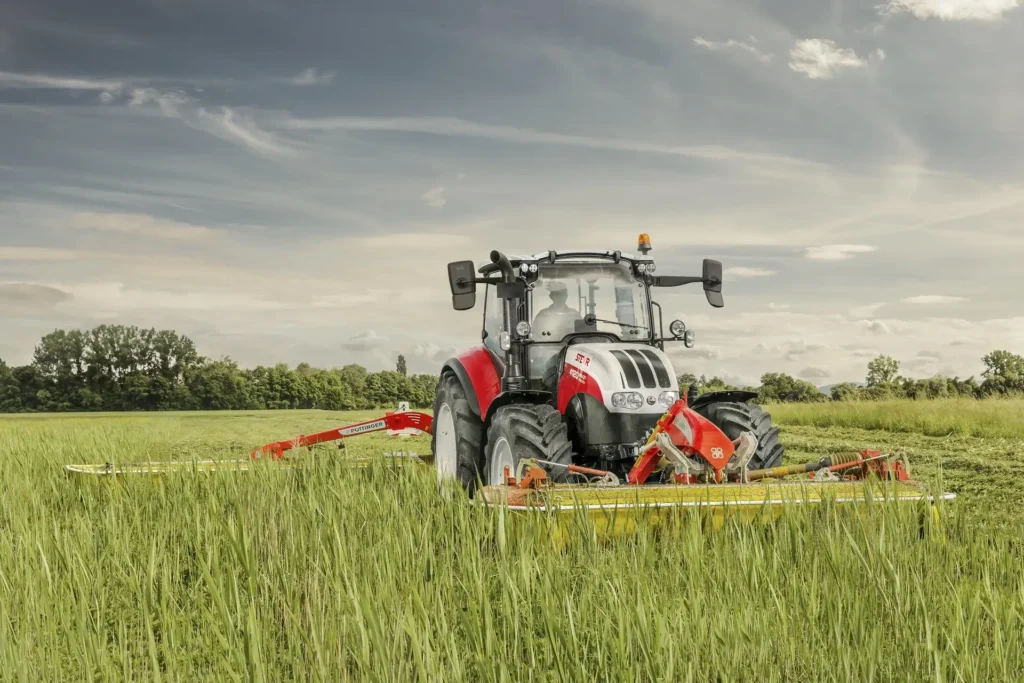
445	457
501	457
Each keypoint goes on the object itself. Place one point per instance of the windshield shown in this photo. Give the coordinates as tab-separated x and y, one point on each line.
566	293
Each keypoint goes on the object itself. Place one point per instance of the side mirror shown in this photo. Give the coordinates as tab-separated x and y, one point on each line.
462	279
712	279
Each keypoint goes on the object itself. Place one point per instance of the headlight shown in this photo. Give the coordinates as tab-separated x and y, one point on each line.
523	329
524	268
677	328
651	268
690	339
505	341
627	399
668	398
533	267
641	268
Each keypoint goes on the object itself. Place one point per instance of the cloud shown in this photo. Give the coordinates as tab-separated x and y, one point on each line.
311	76
880	54
744	272
876	327
238	128
227	124
142	225
453	127
950	10
21	297
837	252
866	311
41	81
820	59
716	46
932	299
434	197
170	103
814	373
41	254
361	343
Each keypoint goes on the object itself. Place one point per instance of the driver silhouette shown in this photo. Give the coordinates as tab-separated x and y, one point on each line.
558	319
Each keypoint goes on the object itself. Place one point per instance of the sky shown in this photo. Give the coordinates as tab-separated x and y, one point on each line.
285	182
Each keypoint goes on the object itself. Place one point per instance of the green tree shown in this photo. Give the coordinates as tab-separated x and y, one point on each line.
1004	373
847	391
883	370
777	387
401	367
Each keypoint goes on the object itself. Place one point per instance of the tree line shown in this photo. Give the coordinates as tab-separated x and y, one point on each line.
1003	376
120	368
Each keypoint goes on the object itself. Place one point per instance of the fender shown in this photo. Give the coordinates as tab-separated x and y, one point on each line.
737	396
478	375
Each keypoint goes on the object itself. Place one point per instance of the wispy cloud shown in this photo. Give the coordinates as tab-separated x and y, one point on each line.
311	76
453	127
744	272
867	310
227	123
42	81
435	197
837	252
240	129
950	10
933	299
41	254
820	59
721	46
143	226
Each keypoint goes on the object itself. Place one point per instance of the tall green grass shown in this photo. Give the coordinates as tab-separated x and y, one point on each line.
326	574
960	417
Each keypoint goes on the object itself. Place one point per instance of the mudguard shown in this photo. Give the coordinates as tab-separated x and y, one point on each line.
479	376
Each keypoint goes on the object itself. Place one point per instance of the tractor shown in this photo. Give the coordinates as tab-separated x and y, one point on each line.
572	375
571	404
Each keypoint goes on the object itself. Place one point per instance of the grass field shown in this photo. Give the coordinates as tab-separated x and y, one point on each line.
327	573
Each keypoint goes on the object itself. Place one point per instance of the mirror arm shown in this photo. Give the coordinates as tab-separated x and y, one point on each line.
675	280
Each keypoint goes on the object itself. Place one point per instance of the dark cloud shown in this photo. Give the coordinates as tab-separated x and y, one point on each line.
26	298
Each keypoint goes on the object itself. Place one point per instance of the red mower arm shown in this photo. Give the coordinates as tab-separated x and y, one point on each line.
395	421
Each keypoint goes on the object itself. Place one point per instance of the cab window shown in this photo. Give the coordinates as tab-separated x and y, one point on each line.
493	320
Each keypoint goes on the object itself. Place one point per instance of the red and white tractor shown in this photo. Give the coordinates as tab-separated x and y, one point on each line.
572	375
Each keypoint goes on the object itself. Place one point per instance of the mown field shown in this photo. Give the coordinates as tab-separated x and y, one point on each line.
328	573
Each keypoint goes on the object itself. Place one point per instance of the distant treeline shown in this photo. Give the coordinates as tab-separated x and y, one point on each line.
119	368
1003	376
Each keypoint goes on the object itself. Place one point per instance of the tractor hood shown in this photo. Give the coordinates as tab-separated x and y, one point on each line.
603	370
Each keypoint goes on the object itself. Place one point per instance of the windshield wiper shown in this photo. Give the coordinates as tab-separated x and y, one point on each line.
590	319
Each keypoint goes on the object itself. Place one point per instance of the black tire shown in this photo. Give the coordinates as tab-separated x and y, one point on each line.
531	431
468	434
736	418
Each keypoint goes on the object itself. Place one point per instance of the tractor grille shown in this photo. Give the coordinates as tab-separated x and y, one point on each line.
642	368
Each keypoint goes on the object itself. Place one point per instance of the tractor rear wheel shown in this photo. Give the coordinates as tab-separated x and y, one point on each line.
736	418
457	435
525	431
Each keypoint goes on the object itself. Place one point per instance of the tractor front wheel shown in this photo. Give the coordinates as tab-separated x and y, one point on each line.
525	431
736	418
457	435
